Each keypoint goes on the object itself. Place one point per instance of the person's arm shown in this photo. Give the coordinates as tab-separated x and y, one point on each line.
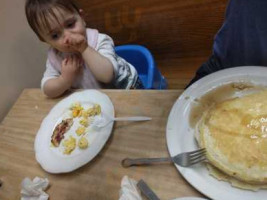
57	86
100	66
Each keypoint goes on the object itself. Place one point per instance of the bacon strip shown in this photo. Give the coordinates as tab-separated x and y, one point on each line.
60	130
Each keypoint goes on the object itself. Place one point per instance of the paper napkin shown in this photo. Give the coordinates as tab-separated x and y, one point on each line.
34	189
128	190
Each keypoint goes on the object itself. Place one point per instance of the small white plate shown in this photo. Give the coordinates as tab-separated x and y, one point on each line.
52	159
180	135
189	198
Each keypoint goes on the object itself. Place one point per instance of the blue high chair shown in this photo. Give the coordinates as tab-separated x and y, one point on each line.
141	58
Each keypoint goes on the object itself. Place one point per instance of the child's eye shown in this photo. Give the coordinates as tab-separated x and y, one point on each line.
71	24
54	36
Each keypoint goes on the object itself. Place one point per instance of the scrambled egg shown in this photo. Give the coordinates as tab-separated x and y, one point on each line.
95	110
84	115
69	145
76	109
83	143
84	122
80	130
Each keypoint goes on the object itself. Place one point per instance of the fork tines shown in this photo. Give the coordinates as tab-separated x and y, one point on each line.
197	156
188	159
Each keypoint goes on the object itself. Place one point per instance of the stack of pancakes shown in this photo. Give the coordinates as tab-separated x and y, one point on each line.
234	133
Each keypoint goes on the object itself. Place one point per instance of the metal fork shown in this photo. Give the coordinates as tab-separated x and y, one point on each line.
185	159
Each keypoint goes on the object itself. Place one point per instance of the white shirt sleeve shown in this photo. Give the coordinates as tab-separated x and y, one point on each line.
125	75
105	46
49	73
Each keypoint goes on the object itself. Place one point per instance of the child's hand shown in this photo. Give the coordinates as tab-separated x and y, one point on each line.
71	67
77	42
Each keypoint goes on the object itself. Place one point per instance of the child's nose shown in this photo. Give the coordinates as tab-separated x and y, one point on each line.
66	36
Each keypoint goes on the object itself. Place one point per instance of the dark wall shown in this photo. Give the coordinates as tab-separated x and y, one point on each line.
169	28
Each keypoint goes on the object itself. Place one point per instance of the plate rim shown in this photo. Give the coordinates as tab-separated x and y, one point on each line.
189	198
209	81
39	152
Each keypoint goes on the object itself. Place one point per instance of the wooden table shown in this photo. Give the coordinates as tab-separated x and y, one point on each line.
101	178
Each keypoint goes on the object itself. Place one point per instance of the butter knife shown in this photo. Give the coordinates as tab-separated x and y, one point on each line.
147	191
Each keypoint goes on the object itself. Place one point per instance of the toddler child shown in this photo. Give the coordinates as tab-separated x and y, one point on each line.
79	57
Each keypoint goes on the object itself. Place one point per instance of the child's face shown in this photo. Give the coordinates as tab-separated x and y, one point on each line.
67	26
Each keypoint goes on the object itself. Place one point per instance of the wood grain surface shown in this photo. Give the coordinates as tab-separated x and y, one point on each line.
178	33
170	28
100	179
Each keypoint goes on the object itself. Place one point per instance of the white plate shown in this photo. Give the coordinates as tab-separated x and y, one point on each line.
180	136
52	159
189	198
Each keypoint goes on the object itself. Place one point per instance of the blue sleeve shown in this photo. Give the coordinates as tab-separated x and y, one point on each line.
242	39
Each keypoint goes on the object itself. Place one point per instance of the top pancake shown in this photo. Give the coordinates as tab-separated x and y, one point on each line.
234	132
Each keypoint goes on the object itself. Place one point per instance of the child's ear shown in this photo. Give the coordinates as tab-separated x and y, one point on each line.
82	16
81	12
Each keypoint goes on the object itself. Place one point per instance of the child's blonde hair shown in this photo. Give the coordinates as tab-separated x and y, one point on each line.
39	11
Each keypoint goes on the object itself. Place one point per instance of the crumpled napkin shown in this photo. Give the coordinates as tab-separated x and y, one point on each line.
129	190
33	190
